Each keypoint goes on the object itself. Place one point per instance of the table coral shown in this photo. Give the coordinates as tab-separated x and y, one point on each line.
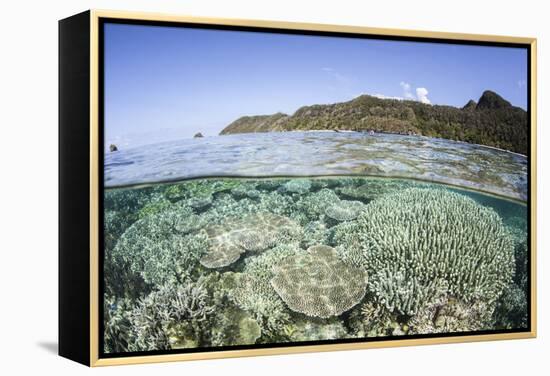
297	186
318	283
344	210
252	233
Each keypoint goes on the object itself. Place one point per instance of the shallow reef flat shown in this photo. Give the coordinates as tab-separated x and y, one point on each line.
225	262
326	153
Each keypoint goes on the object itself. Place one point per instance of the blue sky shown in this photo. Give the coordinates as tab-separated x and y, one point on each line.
166	82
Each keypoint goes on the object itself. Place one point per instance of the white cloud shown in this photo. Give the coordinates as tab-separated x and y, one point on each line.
406	90
522	84
382	96
422	95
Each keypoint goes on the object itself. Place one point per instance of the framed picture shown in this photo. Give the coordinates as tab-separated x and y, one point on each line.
236	188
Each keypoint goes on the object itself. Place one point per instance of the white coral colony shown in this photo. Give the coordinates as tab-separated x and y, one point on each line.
319	284
344	210
420	243
253	233
227	262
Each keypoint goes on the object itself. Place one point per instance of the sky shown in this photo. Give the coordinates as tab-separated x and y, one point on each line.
165	82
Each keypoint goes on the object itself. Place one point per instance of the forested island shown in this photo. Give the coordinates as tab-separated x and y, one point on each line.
491	121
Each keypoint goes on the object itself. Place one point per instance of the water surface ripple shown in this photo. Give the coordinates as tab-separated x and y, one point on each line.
322	154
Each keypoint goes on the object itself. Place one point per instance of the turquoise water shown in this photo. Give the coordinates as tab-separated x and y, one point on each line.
322	154
210	262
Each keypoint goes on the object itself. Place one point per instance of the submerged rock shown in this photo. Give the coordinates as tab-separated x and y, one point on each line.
318	284
113	148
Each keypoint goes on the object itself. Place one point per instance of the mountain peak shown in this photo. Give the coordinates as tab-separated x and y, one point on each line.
491	100
471	105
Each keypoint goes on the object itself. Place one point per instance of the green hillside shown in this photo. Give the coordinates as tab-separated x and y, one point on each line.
491	121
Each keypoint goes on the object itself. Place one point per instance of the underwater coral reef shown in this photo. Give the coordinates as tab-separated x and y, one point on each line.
228	262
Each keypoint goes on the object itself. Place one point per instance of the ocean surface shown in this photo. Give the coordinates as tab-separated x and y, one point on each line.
318	153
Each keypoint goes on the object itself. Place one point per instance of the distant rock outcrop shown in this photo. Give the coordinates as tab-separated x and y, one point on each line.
198	135
113	148
491	121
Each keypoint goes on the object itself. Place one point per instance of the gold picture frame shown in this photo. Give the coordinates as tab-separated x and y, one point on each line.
94	171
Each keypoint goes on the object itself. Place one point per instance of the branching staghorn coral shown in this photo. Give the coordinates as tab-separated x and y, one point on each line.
170	317
157	203
253	291
229	325
401	290
376	320
122	208
511	311
159	248
371	188
276	203
315	232
199	188
415	241
226	206
318	284
262	302
449	315
313	206
116	320
518	230
126	200
164	249
200	202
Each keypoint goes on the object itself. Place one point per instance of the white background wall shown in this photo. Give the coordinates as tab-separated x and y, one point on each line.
28	197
